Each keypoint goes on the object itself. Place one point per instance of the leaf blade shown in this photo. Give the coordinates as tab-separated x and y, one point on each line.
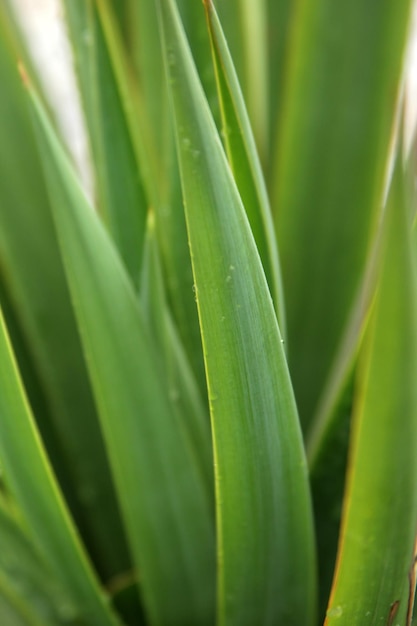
34	487
380	510
106	102
165	506
32	277
237	319
330	171
244	160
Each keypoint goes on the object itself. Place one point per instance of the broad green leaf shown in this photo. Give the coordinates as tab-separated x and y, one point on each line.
244	161
336	120
265	541
379	524
33	485
164	502
121	197
38	309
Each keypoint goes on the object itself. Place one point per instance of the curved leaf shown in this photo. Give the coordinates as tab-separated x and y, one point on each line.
164	502
33	485
36	303
156	149
27	574
246	28
265	538
380	510
121	196
183	389
244	161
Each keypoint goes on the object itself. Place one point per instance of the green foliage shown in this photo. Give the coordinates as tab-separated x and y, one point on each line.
208	398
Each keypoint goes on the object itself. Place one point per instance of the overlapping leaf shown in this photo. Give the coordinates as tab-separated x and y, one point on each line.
373	580
165	504
182	386
151	126
341	88
26	575
121	196
244	161
38	309
34	487
265	543
246	28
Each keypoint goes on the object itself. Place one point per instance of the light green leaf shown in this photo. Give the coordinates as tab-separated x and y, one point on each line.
380	509
164	502
341	88
38	310
14	610
244	161
34	487
265	540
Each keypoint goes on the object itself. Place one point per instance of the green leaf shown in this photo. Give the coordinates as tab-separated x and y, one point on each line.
265	538
37	307
156	143
28	576
334	138
246	28
14	610
164	502
280	19
380	509
328	442
244	161
327	480
106	99
193	19
184	393
34	487
154	116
